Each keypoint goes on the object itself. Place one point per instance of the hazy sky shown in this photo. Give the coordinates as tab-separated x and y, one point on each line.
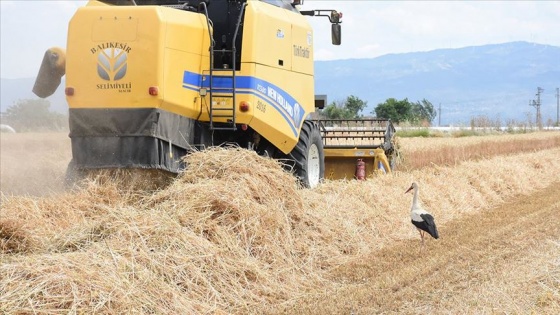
370	28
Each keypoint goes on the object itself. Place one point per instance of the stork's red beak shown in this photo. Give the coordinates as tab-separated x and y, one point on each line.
409	189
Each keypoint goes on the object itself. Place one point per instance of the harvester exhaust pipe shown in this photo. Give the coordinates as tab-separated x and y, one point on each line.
53	67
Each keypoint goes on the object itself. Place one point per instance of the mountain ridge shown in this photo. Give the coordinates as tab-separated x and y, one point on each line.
495	80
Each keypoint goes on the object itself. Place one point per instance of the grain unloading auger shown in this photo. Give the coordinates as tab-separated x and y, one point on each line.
147	81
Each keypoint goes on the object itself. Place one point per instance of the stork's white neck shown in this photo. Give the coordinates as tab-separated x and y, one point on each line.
415	199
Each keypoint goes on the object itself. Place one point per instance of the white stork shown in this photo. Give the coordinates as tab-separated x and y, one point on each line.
421	218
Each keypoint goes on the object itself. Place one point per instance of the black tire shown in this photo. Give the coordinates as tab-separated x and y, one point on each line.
308	156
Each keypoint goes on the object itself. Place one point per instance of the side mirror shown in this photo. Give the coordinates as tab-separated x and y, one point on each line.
336	34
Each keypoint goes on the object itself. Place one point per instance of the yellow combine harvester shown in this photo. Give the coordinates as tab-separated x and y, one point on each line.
147	81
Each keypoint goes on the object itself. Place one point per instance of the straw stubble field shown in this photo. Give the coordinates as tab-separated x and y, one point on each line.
235	234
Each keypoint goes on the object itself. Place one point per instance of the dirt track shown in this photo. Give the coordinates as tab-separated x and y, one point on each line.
504	260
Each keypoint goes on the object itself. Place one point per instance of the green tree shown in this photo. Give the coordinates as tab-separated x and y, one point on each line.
34	115
354	106
404	110
335	110
423	111
348	109
397	111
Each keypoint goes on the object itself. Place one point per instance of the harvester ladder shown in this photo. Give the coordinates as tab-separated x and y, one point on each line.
222	82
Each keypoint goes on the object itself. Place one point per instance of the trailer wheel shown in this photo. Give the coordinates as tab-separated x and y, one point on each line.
308	155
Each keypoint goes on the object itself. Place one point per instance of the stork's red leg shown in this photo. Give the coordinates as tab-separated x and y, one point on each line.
421	236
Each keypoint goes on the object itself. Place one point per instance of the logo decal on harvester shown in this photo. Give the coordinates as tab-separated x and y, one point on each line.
112	64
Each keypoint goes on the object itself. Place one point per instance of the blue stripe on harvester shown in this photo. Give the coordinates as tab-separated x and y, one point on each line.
280	100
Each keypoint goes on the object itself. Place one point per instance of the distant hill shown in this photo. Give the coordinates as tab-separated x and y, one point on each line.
493	80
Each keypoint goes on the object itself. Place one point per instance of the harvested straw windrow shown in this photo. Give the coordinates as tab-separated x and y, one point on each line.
218	236
234	233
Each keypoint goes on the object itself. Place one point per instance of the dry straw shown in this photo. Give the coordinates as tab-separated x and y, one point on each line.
234	233
417	153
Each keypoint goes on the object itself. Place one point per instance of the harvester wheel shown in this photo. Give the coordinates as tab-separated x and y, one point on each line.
308	155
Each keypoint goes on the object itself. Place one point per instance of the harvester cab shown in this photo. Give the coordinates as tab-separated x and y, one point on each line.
147	81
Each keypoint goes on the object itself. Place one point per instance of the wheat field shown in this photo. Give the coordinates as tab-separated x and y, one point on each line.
235	234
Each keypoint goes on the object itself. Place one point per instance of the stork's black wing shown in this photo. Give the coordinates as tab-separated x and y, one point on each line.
431	224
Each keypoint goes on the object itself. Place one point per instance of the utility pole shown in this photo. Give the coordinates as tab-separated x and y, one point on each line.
557	107
537	105
539	117
439	115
